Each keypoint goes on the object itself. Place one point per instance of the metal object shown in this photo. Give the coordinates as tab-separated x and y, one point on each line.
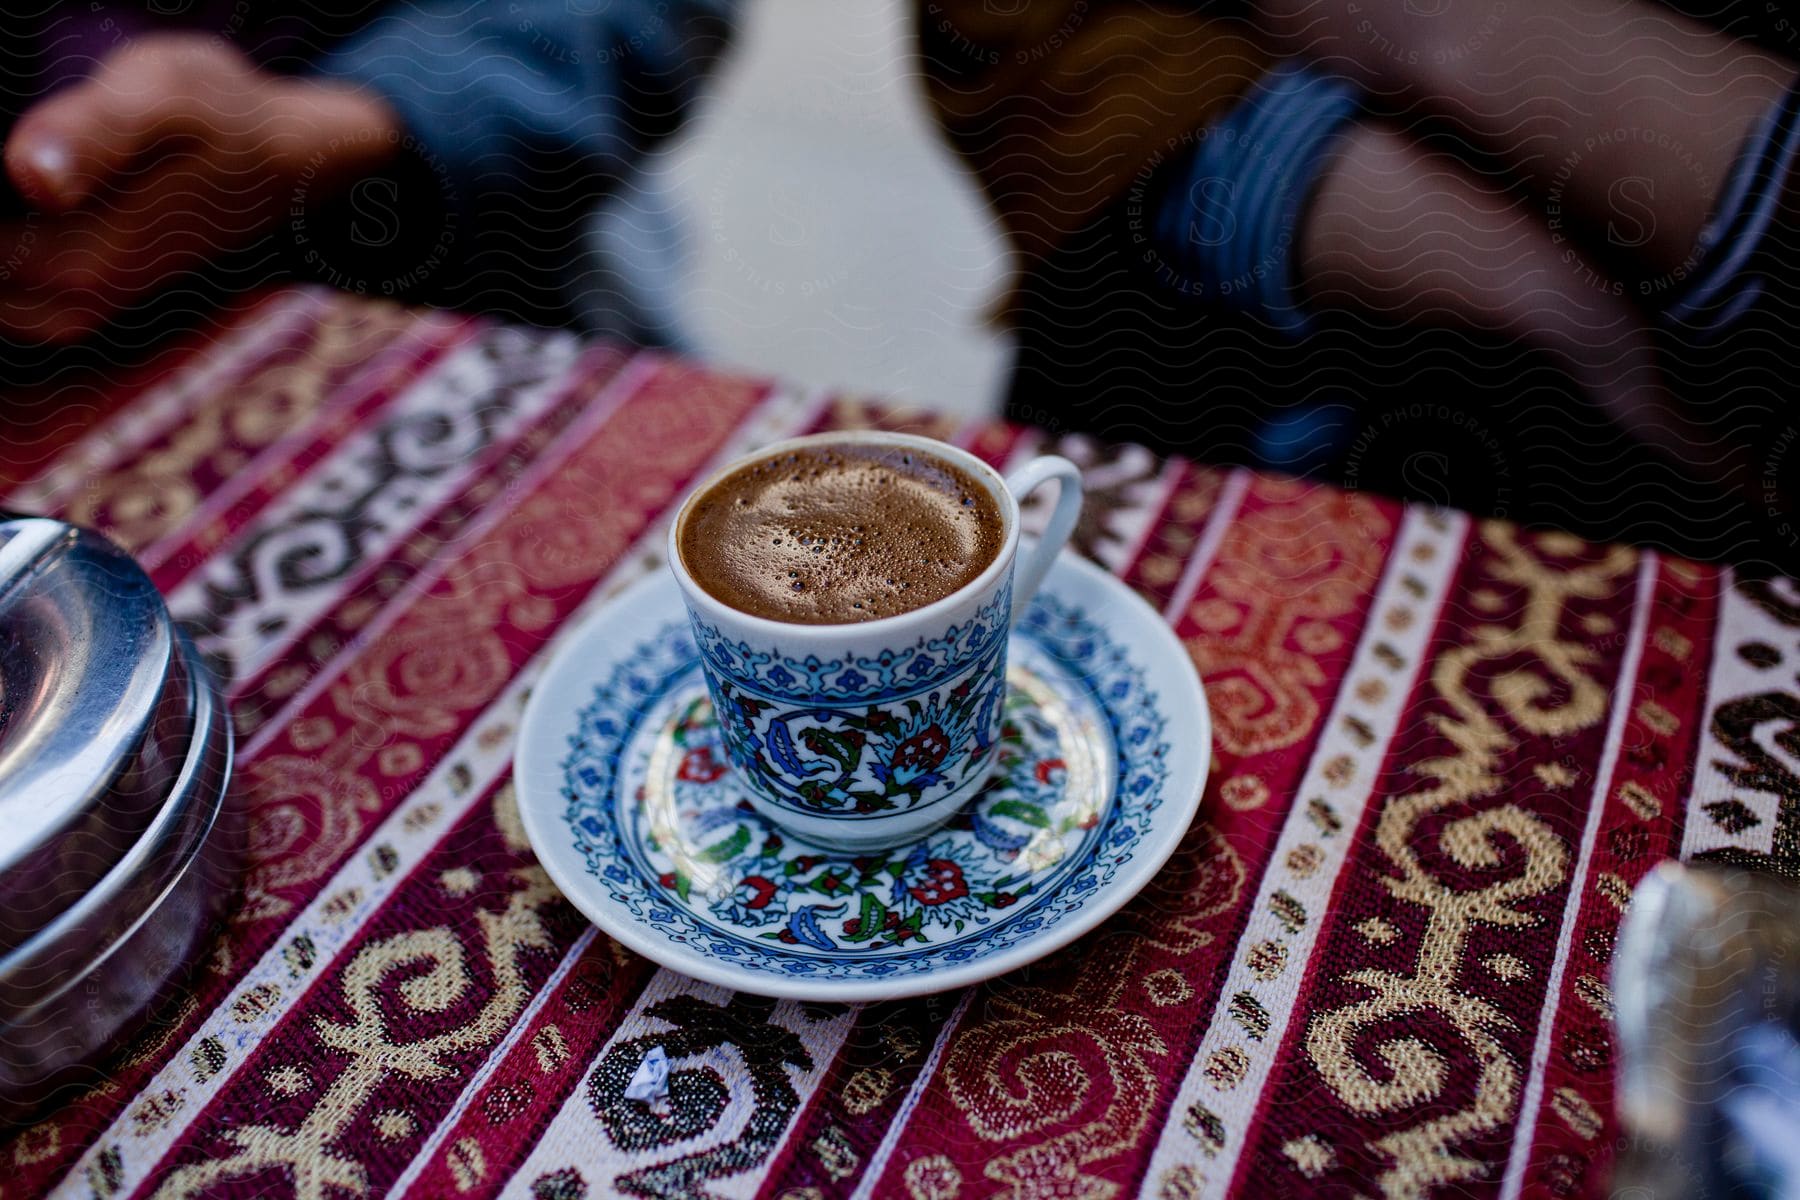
95	715
119	843
1706	984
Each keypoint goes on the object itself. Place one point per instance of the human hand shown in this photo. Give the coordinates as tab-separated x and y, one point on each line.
178	149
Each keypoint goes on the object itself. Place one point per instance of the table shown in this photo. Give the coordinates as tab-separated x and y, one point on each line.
1445	751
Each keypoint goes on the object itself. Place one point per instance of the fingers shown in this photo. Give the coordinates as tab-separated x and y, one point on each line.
177	151
69	147
71	273
72	145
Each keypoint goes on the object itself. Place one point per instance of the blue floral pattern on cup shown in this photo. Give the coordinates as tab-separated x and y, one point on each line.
868	760
890	732
892	674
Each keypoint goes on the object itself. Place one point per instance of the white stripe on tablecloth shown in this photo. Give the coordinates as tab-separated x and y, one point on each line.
159	408
1167	483
1206	547
778	416
576	1139
554	457
413	830
1750	828
492	1063
308	520
1028	445
431	328
1624	696
1131	519
1225	511
879	1160
1419	574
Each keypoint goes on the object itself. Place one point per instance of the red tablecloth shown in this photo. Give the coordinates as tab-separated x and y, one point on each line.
1445	750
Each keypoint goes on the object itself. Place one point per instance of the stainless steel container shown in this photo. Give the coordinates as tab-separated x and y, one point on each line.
118	841
1706	983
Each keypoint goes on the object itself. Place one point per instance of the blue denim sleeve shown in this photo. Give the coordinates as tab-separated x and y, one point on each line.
521	113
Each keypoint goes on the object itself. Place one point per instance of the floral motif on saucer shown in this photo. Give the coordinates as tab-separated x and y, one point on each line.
643	823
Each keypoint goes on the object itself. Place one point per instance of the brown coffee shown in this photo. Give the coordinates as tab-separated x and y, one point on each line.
839	532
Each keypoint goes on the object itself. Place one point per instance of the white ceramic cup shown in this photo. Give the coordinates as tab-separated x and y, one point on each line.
865	735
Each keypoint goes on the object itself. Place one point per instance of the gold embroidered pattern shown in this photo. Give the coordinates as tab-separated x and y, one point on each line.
1011	1075
306	1152
1413	1072
447	656
147	499
1303	559
1312	1155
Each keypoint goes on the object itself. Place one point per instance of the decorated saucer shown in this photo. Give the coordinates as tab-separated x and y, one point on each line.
627	798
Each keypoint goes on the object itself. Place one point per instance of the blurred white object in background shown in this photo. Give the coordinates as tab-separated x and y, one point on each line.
822	230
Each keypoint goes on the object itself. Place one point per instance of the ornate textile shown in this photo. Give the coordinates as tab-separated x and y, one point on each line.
1445	750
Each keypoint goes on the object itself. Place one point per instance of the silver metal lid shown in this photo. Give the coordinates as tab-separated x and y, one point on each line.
86	981
96	712
120	841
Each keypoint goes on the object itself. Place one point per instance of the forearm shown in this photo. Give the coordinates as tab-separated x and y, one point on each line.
1625	118
1400	234
462	80
525	112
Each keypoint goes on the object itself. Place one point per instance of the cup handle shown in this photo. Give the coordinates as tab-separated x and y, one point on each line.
1021	483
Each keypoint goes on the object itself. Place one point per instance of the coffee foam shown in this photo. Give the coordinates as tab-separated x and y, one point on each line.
840	532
